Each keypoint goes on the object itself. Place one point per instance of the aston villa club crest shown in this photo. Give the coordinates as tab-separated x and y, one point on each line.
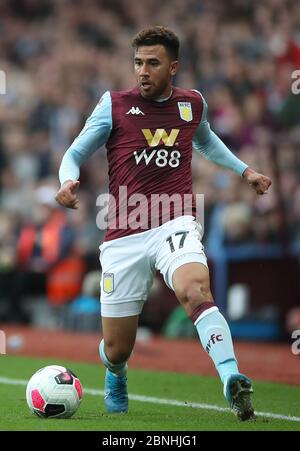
185	111
108	282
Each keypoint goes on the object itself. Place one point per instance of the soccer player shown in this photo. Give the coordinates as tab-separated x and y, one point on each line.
149	132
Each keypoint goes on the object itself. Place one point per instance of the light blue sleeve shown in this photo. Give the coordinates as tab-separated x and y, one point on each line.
208	144
94	135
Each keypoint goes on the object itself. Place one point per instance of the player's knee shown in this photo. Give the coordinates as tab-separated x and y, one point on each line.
117	352
194	292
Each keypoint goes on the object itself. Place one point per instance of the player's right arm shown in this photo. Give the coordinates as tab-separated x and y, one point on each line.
94	135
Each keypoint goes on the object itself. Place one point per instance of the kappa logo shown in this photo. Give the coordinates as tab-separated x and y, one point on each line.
135	110
160	135
213	339
108	282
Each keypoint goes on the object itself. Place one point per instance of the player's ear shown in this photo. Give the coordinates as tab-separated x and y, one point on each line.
174	67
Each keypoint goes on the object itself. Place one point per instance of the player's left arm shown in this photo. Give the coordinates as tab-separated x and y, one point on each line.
208	144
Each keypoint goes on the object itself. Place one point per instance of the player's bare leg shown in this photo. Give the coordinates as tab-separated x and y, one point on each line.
192	287
118	341
119	337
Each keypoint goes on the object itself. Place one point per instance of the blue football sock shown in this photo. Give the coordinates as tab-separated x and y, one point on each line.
216	339
118	369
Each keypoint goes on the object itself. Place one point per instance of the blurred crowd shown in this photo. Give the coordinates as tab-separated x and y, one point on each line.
59	56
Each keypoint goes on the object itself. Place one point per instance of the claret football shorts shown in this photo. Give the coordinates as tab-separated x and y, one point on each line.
129	263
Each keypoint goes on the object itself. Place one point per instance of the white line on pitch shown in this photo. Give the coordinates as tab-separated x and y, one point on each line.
169	402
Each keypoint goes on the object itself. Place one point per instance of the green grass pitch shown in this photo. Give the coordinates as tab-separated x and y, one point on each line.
146	412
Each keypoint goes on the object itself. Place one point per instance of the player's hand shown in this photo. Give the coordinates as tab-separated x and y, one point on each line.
259	182
67	194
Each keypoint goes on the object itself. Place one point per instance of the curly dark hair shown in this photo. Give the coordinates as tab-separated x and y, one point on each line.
158	35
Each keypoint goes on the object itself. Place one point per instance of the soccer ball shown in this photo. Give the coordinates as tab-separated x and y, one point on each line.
54	391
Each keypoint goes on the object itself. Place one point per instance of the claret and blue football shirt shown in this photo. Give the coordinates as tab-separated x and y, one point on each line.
149	147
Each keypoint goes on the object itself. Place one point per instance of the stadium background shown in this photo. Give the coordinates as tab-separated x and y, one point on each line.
60	56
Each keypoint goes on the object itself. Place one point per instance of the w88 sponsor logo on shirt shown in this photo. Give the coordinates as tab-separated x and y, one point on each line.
162	157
